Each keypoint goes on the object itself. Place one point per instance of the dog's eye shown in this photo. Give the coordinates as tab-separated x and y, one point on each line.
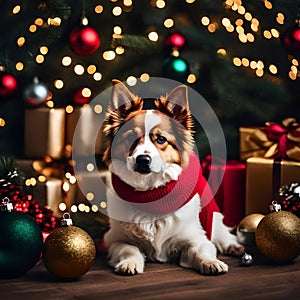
161	139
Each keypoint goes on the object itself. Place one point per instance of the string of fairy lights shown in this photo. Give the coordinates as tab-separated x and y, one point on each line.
246	27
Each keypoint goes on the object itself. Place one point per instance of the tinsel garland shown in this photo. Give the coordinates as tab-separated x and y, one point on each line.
11	186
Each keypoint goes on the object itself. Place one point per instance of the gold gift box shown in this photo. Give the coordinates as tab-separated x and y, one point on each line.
249	145
90	124
259	182
44	132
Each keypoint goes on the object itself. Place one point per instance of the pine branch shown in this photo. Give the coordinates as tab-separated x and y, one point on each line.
9	174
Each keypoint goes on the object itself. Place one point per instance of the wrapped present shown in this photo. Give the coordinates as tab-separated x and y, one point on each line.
263	180
273	140
44	133
230	189
47	194
84	123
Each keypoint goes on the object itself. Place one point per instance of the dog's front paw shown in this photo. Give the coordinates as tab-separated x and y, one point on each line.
212	267
235	250
129	267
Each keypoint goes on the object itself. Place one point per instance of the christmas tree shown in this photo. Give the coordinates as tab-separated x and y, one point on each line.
232	51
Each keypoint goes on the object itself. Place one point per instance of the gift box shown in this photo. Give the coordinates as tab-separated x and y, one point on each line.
272	140
48	193
44	133
229	189
86	121
263	179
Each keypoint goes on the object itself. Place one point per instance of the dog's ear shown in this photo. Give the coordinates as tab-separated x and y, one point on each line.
120	95
178	96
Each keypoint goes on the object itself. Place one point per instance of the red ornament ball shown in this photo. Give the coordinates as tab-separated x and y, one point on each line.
8	84
84	40
175	40
82	96
290	39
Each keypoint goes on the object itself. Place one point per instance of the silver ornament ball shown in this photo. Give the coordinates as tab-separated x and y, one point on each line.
36	93
247	259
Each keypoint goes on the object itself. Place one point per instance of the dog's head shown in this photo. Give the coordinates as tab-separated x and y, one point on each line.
148	147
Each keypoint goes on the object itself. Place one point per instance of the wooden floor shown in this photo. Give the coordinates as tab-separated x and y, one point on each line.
160	281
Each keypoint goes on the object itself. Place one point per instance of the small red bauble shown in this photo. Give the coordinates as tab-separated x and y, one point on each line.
8	84
290	39
175	40
81	97
84	40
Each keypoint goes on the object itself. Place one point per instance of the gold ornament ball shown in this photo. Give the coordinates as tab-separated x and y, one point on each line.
278	236
69	252
247	227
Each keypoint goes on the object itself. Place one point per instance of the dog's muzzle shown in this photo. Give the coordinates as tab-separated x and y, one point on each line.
142	164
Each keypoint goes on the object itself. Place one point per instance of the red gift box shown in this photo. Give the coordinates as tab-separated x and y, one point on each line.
230	190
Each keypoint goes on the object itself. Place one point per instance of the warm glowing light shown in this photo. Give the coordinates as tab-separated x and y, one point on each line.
117	11
259	72
109	55
226	22
230	28
39	22
243	38
98	109
153	36
260	65
69	110
267	34
212	27
44	50
16	9
222	51
119	50
160	4
190	1
245	62
90	196
73	208
253	64
40	59
237	61
79	69
32	28
145	77
54	21
21	41
294	69
240	29
292	75
295	62
90	167
72	180
50	104
66	187
205	21
19	66
2	122
117	30
62	206
103	204
248	16
239	22
42	178
168	23
66	61
59	84
86	92
241	10
94	208
91	69
268	4
191	78
250	37
97	76
81	207
275	33
280	18
131	81
98	9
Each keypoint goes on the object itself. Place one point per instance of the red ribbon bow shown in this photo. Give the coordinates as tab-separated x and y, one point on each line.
286	135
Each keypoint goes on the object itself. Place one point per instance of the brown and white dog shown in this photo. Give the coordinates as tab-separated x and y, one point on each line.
154	199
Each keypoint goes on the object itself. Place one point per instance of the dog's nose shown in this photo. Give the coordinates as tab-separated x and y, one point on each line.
143	162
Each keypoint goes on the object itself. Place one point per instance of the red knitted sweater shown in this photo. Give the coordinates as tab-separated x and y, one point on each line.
174	194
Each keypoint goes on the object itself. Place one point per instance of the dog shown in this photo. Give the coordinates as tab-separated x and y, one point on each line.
155	186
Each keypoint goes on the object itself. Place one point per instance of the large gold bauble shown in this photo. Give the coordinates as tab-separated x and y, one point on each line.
278	236
69	252
247	227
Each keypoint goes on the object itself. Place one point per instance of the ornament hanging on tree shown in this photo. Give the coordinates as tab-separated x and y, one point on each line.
20	243
175	40
36	93
8	84
290	39
69	251
278	235
176	68
84	40
290	198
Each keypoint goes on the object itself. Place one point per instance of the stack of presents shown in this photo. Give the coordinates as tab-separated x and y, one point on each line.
269	159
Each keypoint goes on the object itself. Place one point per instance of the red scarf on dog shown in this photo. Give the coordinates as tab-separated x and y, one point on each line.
174	194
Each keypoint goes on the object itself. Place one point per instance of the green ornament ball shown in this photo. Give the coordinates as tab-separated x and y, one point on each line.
21	242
